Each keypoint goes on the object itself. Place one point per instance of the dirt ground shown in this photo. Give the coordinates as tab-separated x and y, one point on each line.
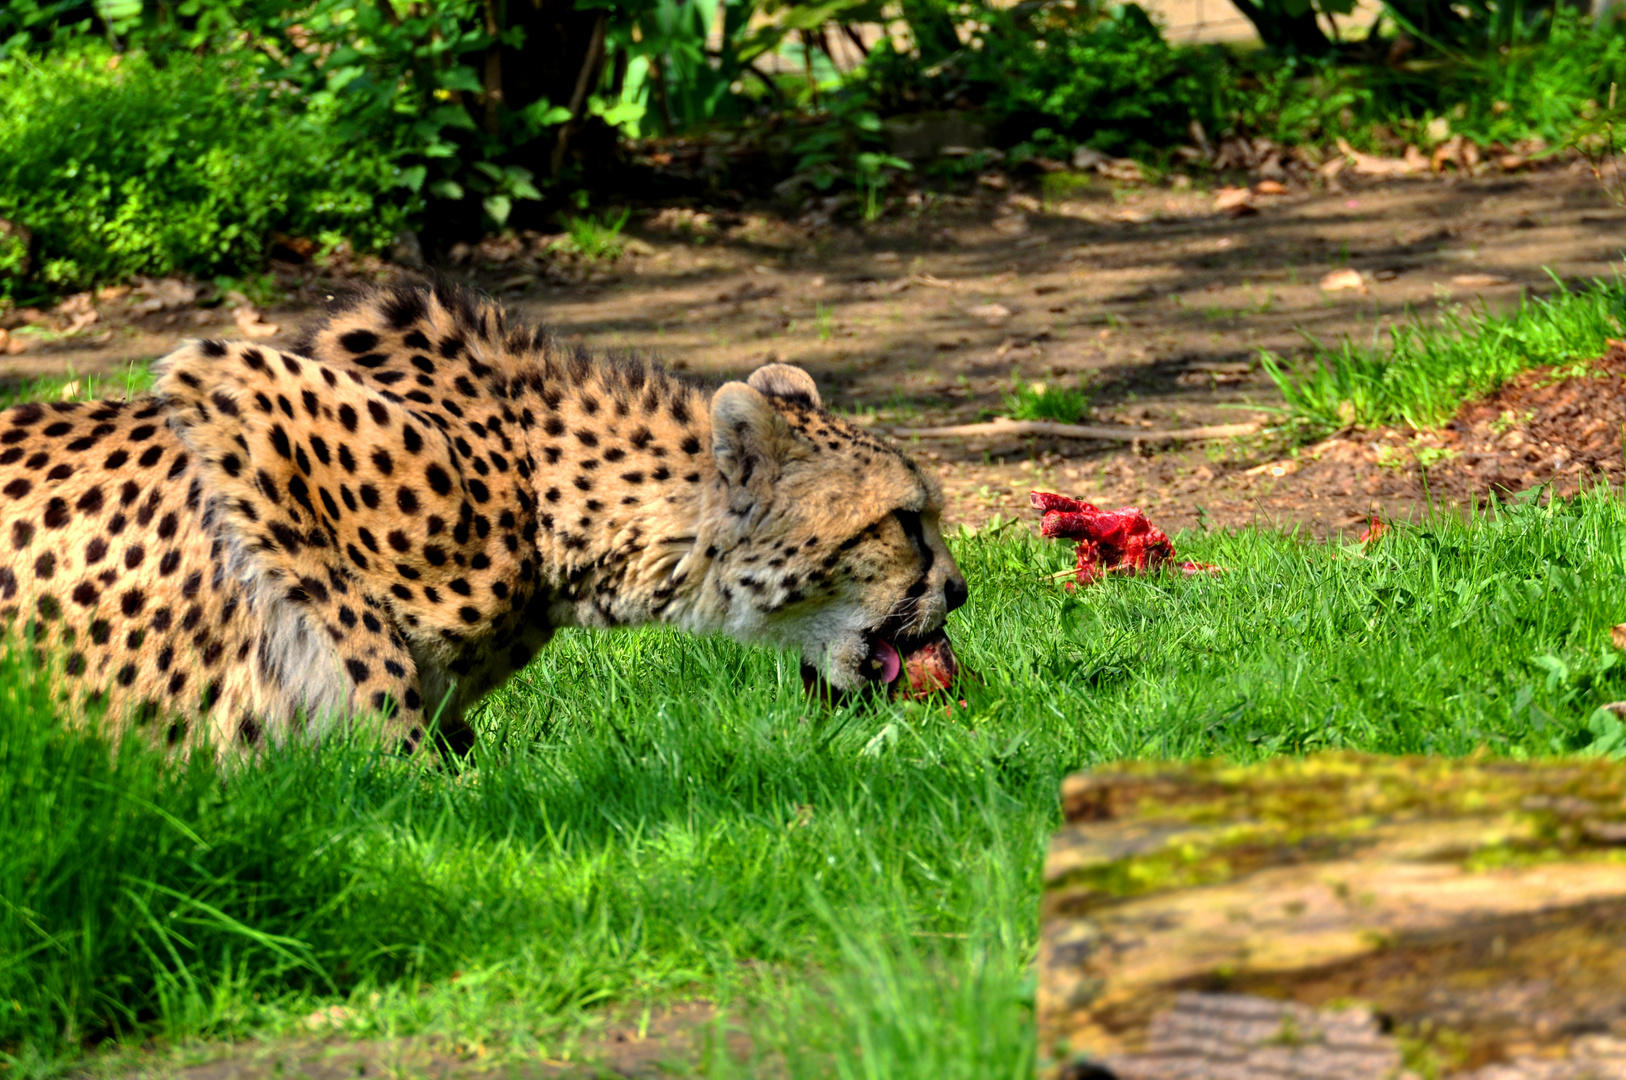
1148	296
664	1042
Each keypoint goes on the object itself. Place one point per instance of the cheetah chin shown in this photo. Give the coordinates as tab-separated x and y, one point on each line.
388	519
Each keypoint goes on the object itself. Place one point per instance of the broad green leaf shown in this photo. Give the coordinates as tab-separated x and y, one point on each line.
459	78
543	114
455	116
339	78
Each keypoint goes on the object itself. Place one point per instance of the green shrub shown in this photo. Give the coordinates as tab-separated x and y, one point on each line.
1537	89
121	166
1114	82
1062	75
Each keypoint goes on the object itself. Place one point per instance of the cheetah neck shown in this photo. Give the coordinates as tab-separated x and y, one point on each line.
648	553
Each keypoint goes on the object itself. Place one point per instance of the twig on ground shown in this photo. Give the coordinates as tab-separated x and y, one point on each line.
1001	427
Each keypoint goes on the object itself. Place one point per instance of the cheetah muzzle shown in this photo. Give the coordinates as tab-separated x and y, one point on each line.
390	519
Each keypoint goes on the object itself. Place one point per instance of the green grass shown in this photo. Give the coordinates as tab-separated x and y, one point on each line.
651	817
135	379
594	239
1427	371
1043	401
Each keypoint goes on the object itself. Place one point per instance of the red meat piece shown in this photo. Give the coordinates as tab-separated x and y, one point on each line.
1108	541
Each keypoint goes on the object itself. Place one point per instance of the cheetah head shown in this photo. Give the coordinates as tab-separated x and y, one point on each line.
836	543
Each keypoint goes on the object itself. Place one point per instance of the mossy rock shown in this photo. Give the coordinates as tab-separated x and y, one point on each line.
1337	916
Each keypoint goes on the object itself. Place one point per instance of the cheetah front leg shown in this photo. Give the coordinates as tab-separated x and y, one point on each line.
352	517
323	655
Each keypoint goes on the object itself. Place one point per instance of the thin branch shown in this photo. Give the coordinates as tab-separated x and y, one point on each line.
595	50
856	38
584	79
1005	428
767	80
491	81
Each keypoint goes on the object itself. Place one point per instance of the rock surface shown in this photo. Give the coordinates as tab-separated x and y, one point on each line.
1337	917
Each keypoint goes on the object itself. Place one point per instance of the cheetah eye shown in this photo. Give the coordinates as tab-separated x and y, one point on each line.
912	528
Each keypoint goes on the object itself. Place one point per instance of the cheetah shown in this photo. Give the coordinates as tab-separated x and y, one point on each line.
388	520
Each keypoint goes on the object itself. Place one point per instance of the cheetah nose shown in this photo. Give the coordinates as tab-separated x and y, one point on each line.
955	592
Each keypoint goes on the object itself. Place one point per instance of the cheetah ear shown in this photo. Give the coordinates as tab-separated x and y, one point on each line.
750	442
785	381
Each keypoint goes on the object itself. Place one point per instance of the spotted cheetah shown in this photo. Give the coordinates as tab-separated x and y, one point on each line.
394	516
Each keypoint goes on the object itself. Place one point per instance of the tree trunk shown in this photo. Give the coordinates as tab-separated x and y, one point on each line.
1331	917
1286	33
933	29
563	50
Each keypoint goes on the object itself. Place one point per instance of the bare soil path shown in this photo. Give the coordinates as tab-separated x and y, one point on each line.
628	1045
1148	296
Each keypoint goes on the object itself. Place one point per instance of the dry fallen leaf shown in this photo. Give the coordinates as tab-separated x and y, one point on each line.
334	1016
1086	158
1339	280
70	390
1617	634
1604	832
250	323
989	311
1126	170
1234	201
1270	187
76	312
162	294
1478	281
1366	165
10	344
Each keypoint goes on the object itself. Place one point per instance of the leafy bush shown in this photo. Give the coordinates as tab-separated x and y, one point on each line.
120	166
1055	76
1537	89
423	81
1114	82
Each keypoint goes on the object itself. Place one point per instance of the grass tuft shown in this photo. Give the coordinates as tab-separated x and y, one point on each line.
1042	401
135	379
595	239
1427	372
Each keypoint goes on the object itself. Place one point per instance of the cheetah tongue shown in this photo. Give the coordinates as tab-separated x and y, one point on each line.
883	662
880	668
